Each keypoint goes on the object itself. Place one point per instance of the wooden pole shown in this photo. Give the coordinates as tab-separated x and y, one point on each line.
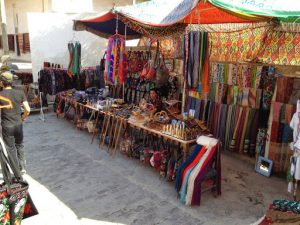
183	97
4	28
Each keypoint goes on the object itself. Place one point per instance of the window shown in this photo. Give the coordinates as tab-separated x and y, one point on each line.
11	42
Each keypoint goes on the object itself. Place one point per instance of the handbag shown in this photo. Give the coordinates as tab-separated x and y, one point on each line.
102	62
91	126
151	66
162	73
14	196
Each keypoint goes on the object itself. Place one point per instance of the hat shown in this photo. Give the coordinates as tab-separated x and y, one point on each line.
6	77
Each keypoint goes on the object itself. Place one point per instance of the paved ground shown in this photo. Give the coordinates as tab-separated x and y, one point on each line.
74	182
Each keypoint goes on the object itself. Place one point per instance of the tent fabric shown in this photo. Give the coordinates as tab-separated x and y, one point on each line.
229	27
241	46
104	25
262	44
273	8
151	13
149	19
206	13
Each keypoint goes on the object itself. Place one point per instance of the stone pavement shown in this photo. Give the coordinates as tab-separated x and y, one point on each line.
74	182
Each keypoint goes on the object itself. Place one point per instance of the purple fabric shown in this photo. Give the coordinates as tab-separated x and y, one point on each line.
197	184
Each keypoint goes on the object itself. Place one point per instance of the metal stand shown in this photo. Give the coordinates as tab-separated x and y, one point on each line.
42	116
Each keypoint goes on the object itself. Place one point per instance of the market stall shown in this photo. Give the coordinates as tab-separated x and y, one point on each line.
226	65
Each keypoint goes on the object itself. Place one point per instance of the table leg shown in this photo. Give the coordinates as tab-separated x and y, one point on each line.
185	150
94	131
118	136
295	190
105	131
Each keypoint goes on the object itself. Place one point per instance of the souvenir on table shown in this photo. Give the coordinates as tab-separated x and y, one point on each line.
161	117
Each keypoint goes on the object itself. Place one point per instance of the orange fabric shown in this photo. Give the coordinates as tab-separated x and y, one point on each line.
209	14
194	162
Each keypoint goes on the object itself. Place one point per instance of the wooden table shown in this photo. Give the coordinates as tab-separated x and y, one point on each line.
185	144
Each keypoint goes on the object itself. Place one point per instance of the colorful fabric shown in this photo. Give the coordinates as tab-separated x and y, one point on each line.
171	48
289	111
276	111
274	131
281	48
258	98
246	73
205	72
252	98
248	130
186	174
284	93
240	76
191	181
245	98
237	46
268	85
115	60
254	132
181	168
244	129
195	48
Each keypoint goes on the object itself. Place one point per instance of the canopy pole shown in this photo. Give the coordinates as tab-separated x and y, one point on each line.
123	70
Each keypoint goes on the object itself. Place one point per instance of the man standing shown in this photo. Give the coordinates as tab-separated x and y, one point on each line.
11	120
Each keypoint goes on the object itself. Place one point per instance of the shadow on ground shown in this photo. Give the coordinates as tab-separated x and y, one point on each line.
121	190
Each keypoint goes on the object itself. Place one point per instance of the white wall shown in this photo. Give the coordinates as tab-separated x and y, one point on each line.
21	8
49	36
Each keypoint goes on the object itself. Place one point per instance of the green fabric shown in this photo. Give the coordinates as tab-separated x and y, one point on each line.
253	76
290	19
76	58
235	94
226	73
282	9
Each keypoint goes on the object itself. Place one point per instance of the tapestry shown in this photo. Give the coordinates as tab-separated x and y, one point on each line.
238	46
281	48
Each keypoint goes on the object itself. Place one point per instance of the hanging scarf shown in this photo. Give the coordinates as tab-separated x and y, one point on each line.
196	56
71	50
115	60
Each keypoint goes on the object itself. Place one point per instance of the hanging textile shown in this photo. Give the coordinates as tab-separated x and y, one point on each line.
52	81
115	60
281	48
238	46
75	58
279	130
192	171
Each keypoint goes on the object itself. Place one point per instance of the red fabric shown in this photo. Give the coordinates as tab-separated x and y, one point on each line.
103	18
193	163
209	14
274	131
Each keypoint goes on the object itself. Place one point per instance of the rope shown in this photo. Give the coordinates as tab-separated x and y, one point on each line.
117	24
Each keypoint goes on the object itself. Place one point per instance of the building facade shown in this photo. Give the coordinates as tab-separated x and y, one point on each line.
17	18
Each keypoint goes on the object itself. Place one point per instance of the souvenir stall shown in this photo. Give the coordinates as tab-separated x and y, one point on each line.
158	138
227	86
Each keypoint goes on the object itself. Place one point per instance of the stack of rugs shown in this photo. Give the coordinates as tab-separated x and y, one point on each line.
283	108
282	212
192	172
